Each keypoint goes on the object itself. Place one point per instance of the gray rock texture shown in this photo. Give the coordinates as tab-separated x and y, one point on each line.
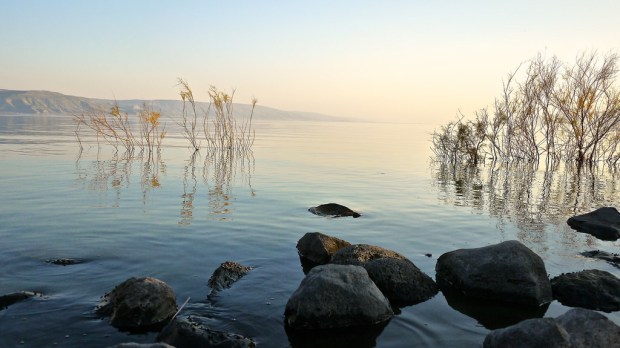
506	272
592	289
577	328
226	274
318	248
186	333
336	296
401	281
333	210
603	223
359	254
139	304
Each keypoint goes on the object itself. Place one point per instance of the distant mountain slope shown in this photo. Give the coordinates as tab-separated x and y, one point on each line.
14	102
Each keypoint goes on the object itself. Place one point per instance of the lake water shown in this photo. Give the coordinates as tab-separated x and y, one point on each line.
179	216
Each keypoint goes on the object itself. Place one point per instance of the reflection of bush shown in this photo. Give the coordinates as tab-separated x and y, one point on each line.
525	194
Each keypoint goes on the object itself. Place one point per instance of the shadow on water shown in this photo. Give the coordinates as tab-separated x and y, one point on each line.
352	337
529	195
218	171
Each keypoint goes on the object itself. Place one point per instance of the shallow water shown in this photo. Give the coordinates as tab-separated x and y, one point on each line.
177	217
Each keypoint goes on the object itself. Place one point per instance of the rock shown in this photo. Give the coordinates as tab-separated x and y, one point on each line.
318	248
359	254
531	333
188	333
333	210
613	259
401	281
139	304
336	296
142	345
12	298
603	223
592	289
227	274
505	272
64	262
587	329
577	328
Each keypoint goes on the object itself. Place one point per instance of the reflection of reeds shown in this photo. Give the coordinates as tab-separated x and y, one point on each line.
530	196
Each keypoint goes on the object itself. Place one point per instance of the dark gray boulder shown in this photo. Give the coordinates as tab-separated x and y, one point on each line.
401	281
603	223
505	272
359	254
587	329
530	333
188	333
592	289
577	328
139	304
226	274
12	298
333	210
318	248
336	296
142	345
611	258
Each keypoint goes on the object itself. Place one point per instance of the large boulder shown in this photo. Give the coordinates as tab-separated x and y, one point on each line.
592	289
189	333
333	210
505	272
318	248
401	281
359	254
139	304
226	275
603	223
577	328
336	296
531	333
589	329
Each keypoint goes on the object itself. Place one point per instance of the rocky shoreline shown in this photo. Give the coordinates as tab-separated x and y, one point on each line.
350	288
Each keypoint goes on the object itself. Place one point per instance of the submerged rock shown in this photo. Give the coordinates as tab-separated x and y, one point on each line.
139	304
142	345
333	210
401	281
336	296
317	248
613	259
577	328
226	275
603	223
12	298
506	272
359	254
187	333
64	262
592	289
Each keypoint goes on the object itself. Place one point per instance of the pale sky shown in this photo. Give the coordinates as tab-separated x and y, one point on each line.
407	61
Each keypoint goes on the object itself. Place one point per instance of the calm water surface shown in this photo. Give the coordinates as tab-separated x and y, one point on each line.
177	217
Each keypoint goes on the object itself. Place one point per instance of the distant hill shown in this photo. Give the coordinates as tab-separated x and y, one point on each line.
14	102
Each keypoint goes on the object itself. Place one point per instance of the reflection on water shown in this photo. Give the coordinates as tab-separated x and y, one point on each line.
525	194
219	169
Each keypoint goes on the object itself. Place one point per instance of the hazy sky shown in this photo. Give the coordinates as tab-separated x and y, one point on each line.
411	61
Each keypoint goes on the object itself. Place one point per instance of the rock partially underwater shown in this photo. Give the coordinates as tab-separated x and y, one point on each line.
139	304
333	210
226	275
316	248
189	333
602	223
12	298
506	272
592	289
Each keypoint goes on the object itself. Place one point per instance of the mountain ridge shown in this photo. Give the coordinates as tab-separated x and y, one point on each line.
40	102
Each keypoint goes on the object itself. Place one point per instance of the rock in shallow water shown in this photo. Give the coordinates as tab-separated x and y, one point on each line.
139	304
592	289
226	275
603	223
186	333
318	248
506	272
359	254
333	210
12	298
336	296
